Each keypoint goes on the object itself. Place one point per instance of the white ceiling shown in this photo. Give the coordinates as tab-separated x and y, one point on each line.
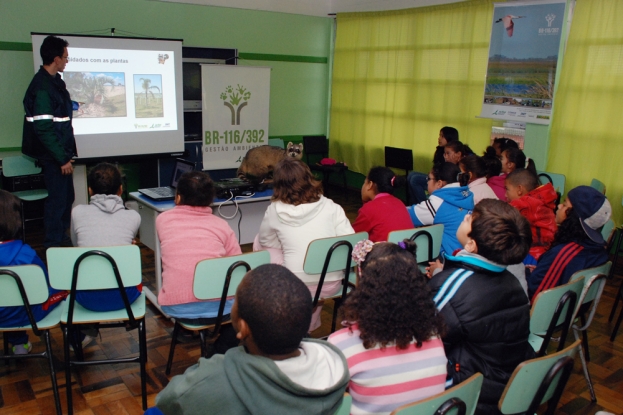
317	7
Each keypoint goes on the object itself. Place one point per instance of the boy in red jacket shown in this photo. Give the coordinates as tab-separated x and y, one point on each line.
537	204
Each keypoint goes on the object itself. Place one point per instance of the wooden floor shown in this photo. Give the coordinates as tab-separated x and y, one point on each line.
25	386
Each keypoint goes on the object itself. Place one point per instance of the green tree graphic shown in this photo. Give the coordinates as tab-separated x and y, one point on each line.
235	96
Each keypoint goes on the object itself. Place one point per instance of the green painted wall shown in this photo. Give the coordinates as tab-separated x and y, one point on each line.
296	47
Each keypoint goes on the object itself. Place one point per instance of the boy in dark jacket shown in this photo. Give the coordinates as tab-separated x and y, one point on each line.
486	311
274	371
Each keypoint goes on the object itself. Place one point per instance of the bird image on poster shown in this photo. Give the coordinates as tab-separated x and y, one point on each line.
523	58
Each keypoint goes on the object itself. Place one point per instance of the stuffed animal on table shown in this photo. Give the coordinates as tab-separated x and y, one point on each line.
258	164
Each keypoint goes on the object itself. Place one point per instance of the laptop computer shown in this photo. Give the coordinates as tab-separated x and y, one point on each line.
168	192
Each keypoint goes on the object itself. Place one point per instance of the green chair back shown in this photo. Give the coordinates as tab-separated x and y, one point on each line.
276	142
317	252
468	391
210	274
598	185
19	166
33	281
591	290
545	303
557	180
526	380
425	250
607	230
344	408
61	264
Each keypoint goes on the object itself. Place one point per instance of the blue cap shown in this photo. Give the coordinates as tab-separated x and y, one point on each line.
593	209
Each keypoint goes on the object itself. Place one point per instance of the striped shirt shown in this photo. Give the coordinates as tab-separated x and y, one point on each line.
381	380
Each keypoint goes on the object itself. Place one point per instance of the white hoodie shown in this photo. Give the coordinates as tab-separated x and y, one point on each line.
103	222
291	229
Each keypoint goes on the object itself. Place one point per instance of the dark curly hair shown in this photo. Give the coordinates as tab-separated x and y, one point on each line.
294	183
492	162
196	188
570	230
392	302
104	179
447	172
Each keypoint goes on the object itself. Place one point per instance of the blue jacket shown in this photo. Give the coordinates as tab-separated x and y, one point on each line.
556	266
447	206
17	253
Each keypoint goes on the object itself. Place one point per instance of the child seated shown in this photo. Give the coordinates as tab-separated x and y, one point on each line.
392	345
104	222
15	252
381	212
578	243
189	233
495	178
536	203
475	172
275	370
487	313
448	204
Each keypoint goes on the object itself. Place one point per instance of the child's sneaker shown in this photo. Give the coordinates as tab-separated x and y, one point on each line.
22	348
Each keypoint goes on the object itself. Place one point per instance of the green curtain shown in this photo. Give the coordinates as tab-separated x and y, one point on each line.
586	140
399	76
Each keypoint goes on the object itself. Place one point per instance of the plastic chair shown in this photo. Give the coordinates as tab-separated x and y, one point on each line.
537	381
276	142
607	231
317	148
553	310
619	236
598	185
400	158
25	285
594	282
95	269
466	392
427	238
344	408
16	166
216	278
557	180
331	255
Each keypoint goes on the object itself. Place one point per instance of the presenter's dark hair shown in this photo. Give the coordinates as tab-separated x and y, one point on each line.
10	216
447	172
104	179
52	47
294	183
277	307
385	179
195	188
450	134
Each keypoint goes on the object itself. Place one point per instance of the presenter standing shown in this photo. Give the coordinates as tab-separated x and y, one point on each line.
49	137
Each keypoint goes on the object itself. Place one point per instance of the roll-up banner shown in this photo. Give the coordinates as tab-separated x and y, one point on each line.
235	113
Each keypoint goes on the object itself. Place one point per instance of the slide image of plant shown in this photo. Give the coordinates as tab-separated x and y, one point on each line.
148	96
101	94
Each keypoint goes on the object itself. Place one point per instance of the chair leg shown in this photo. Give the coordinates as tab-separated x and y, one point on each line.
142	333
616	326
66	339
616	253
6	347
336	304
587	375
176	330
616	302
48	348
21	203
202	339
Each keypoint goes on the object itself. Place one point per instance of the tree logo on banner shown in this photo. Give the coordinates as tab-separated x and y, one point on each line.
235	96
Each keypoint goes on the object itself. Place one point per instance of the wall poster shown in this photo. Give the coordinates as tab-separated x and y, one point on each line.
523	57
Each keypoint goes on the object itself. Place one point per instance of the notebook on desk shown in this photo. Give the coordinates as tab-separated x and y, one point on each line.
168	192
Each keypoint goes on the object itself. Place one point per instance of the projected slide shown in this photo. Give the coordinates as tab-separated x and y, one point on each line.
129	85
